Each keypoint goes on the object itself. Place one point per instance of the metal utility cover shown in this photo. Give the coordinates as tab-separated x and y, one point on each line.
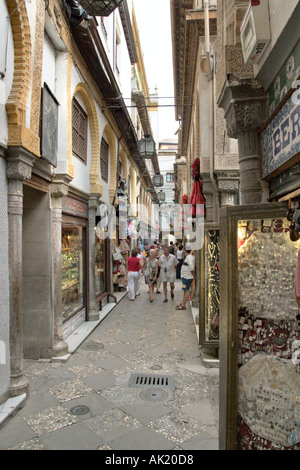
151	380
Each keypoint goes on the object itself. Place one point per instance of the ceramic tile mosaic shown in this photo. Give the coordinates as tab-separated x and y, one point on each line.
269	401
269	385
267	270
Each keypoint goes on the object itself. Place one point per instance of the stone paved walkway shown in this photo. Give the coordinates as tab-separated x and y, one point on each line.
88	402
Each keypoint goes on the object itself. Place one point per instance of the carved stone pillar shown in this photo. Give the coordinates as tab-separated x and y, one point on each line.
228	186
211	200
243	103
19	167
93	314
59	189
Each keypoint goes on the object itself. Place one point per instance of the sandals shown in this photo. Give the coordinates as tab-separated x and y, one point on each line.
180	307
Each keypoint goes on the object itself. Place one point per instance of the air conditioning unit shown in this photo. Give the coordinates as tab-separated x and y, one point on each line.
255	31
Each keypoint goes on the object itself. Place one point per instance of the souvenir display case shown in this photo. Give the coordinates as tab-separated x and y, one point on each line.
259	324
209	307
72	270
100	265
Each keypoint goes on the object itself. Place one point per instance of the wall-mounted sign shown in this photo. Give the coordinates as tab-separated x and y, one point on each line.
49	126
75	207
280	141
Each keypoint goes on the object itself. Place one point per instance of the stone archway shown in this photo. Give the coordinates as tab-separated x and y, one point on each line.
95	186
16	103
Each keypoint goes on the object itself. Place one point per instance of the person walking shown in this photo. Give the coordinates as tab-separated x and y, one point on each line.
168	263
158	281
151	272
187	276
179	255
140	255
172	248
194	281
133	264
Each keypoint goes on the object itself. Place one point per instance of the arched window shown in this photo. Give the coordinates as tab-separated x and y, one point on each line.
79	131
104	160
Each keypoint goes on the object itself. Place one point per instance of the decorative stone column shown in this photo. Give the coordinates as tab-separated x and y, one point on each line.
59	189
211	198
93	314
19	168
243	103
228	186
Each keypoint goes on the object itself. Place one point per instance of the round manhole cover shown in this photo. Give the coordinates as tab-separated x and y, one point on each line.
80	410
153	394
93	346
156	367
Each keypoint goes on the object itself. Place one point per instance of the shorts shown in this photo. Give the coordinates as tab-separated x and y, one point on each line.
186	284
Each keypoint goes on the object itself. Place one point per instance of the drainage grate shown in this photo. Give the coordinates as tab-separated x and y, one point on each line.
150	380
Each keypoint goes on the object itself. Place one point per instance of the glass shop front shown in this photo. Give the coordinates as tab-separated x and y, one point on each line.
74	263
73	269
268	324
260	326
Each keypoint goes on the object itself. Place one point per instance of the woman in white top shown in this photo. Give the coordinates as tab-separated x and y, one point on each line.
151	272
179	255
168	264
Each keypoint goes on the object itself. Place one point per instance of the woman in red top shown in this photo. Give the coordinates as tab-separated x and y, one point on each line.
133	265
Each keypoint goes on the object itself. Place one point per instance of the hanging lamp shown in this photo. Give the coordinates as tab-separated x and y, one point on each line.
100	7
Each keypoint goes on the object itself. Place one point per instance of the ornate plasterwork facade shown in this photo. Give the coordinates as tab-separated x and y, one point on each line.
240	97
18	133
203	127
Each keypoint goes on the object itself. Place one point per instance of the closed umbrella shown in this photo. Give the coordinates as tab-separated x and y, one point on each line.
197	200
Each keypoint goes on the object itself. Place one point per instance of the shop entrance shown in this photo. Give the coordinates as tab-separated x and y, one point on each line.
73	269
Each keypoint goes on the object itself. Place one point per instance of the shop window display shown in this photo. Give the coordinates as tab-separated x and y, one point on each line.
212	291
268	324
72	270
100	266
209	305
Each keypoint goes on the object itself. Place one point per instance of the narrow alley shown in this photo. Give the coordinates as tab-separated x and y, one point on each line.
93	401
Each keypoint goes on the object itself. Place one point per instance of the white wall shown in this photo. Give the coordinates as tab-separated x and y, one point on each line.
49	64
280	12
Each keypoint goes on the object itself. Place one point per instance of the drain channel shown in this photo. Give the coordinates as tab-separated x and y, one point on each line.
150	380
